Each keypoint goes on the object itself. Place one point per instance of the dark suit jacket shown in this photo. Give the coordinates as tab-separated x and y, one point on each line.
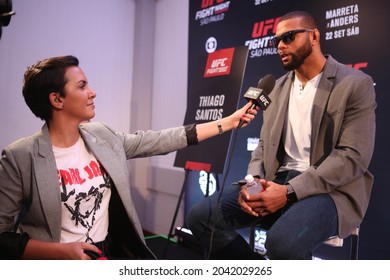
342	141
28	173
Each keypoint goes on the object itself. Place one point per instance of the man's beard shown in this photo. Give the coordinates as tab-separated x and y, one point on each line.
298	58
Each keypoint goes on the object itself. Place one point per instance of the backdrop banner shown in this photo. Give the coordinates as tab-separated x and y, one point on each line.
213	93
352	31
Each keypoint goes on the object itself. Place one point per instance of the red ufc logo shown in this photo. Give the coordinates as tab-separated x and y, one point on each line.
218	62
208	3
359	65
262	28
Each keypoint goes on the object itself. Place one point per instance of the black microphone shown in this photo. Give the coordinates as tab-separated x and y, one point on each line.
259	94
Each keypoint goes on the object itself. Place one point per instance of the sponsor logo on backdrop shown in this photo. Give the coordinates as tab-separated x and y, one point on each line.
203	185
262	33
252	143
359	65
342	22
260	2
212	11
211	45
219	63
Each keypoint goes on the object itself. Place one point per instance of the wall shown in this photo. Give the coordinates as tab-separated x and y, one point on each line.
100	36
169	106
158	101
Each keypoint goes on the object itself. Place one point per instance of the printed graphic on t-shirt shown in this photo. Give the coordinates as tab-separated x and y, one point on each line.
82	193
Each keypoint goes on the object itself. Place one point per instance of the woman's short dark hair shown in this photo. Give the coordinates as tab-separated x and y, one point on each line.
41	79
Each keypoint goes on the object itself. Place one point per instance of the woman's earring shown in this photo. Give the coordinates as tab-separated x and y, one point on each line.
59	101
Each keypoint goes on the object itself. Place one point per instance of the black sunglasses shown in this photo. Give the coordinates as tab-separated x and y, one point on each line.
287	37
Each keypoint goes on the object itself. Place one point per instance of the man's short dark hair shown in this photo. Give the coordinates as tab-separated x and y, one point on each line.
307	19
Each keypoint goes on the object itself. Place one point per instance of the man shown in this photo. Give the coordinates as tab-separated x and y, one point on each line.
315	147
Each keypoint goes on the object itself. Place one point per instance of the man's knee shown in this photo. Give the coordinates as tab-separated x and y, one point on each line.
281	247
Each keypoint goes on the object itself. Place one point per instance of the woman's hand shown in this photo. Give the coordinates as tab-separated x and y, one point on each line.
244	114
210	129
39	250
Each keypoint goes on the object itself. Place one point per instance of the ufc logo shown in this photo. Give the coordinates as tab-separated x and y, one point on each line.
253	93
208	3
264	100
218	62
263	28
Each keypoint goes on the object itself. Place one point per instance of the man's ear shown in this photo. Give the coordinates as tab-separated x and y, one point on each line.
316	36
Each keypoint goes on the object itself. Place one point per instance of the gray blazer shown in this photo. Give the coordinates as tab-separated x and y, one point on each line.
342	141
28	173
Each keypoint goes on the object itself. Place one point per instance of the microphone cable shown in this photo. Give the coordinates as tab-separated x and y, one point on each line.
235	131
264	86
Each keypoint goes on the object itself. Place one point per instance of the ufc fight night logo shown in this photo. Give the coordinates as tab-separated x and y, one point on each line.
219	63
262	33
212	11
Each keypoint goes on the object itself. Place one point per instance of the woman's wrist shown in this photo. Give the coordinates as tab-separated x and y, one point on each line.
219	126
226	124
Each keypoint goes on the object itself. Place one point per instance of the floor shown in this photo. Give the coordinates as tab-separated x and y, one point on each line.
172	250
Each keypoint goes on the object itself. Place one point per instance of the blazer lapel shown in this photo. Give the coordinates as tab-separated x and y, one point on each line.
111	162
320	101
46	176
281	103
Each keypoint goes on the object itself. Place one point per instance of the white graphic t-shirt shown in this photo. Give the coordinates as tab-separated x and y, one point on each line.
85	194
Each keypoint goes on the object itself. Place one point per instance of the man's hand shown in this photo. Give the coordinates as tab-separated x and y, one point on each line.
269	201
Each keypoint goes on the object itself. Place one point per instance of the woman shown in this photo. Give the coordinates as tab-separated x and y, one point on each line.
64	191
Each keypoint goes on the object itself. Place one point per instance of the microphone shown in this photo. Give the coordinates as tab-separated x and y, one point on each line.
259	94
